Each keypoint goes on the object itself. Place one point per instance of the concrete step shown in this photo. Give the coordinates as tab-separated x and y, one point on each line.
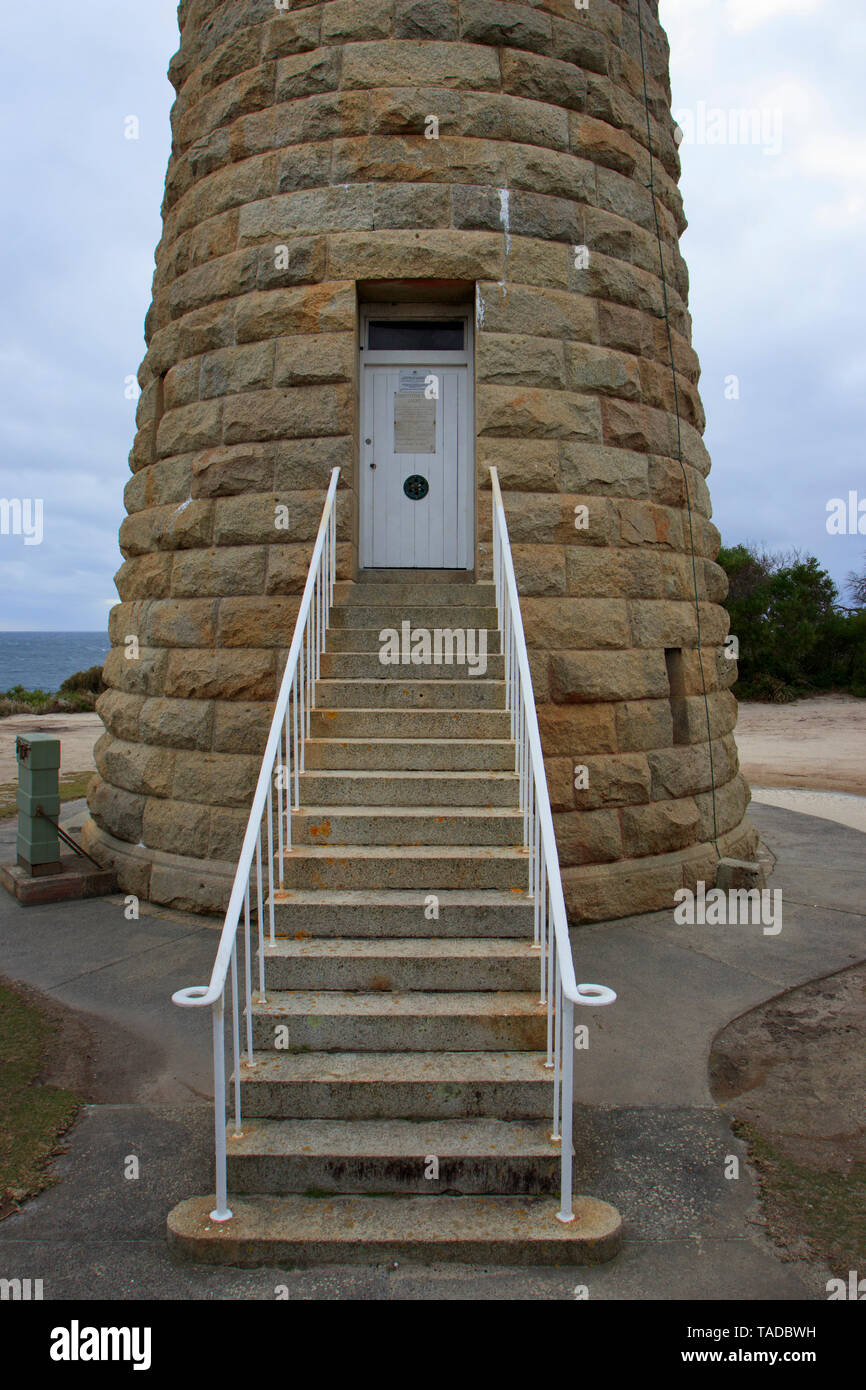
293	1231
397	1085
506	1157
417	867
334	1020
353	787
411	693
426	964
415	576
406	825
392	614
367	639
367	666
410	724
414	593
476	756
318	914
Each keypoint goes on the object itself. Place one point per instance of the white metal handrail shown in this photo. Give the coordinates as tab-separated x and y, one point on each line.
282	764
559	988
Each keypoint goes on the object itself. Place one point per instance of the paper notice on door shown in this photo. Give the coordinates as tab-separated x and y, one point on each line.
414	423
413	380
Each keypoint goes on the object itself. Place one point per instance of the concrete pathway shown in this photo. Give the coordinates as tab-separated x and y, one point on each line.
649	1137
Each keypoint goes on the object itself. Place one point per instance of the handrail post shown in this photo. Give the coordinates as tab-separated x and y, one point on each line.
566	1212
222	1210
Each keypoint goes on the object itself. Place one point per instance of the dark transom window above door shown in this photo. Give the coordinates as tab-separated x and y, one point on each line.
416	335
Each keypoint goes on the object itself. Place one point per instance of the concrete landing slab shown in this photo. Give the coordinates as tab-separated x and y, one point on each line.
78	878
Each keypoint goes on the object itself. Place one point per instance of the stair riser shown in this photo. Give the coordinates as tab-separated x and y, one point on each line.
367	639
377	920
367	666
419	615
401	975
419	874
504	1175
422	1033
414	595
417	574
344	790
412	692
409	724
403	756
332	1099
370	829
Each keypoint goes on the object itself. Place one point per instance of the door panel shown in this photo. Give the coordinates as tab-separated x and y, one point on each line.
399	531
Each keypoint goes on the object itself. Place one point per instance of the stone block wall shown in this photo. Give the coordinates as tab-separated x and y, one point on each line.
300	172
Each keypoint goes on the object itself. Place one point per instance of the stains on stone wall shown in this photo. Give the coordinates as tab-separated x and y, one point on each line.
300	167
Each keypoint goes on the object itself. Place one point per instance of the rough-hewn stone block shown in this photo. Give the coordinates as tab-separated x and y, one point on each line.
543	79
523	465
257	622
575	624
406	62
211	675
225	472
293	413
134	766
588	676
540	414
219	571
577	730
117	811
240	727
588	837
505	358
546	313
224	779
176	826
596	469
237	369
312	359
308	309
177	723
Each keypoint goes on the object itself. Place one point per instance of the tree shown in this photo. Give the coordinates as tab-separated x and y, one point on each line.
793	637
856	586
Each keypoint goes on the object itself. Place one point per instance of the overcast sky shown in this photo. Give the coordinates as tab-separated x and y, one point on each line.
775	250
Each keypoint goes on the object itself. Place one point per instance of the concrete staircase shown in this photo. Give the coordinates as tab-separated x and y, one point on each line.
399	1106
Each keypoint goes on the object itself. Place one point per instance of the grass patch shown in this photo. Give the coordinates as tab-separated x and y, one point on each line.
32	1116
72	786
828	1209
20	701
77	695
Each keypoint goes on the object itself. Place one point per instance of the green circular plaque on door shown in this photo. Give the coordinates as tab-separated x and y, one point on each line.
416	487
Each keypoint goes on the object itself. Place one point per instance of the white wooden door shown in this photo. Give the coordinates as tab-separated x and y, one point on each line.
416	478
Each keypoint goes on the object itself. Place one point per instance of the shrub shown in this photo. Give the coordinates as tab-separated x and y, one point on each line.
90	680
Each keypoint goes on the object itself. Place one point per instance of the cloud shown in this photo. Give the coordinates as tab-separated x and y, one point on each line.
743	16
78	263
774	249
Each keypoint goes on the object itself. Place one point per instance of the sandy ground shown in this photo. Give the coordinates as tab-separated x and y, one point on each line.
837	806
809	756
819	744
77	734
